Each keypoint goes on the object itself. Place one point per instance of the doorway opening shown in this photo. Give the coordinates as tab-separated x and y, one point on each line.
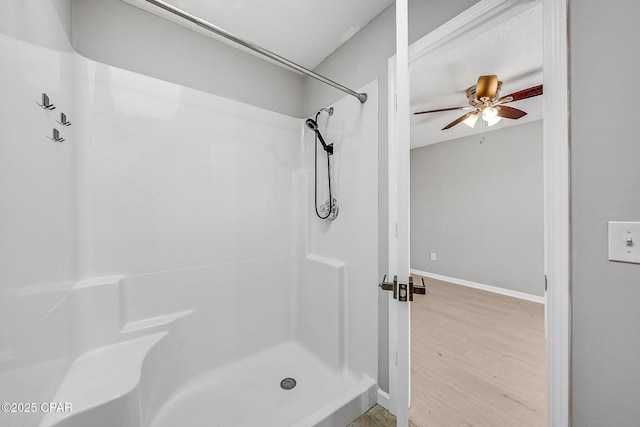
467	26
477	227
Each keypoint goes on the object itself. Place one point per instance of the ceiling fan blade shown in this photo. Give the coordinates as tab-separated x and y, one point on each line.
487	87
456	121
523	94
444	109
510	112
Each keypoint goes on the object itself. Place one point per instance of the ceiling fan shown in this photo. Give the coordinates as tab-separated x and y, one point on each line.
485	100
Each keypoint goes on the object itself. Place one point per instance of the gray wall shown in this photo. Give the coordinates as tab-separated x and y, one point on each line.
605	176
480	208
116	33
359	61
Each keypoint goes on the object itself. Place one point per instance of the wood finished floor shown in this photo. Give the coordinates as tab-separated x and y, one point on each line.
478	359
377	417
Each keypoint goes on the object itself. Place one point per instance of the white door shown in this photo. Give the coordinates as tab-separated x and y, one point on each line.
399	309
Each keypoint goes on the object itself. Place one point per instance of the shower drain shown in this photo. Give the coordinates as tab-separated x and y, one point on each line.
288	383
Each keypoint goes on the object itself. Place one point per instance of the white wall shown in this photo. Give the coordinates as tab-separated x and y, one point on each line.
605	178
45	23
37	197
172	177
140	195
116	33
352	237
479	207
37	174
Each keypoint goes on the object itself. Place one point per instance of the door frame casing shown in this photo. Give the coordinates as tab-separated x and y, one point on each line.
399	397
556	171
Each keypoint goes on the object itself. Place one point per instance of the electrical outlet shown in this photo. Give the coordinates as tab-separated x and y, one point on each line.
433	256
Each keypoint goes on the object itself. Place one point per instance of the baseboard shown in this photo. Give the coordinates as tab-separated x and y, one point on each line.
488	288
383	399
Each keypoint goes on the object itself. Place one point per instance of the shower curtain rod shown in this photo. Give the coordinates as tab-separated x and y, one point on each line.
362	97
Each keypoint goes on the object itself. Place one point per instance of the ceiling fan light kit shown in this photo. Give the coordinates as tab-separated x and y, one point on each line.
484	98
471	120
490	115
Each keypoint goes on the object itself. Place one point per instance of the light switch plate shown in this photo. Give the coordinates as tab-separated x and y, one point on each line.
624	241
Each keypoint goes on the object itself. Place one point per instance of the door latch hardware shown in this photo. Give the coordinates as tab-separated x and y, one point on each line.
390	286
401	291
416	289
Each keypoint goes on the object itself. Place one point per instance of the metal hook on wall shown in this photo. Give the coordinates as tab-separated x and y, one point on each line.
63	120
45	103
56	136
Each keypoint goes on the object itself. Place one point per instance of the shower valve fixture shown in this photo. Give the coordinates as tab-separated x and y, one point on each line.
329	212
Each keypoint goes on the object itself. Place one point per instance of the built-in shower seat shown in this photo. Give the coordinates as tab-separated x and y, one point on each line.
104	380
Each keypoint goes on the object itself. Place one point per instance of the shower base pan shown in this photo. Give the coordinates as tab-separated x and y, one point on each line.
247	393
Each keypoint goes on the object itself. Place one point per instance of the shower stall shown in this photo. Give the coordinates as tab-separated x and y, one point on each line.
162	263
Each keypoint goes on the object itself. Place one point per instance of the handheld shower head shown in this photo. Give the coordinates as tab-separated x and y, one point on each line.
311	124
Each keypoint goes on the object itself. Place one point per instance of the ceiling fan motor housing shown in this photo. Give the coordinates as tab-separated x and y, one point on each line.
473	99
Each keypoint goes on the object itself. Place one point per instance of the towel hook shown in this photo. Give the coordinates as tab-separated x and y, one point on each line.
63	120
45	103
56	136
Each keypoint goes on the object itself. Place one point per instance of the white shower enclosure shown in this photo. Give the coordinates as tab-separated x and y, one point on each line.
163	265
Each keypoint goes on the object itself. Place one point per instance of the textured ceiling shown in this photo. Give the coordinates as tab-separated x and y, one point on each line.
512	50
304	31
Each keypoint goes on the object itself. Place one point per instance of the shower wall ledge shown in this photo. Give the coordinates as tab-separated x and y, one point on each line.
106	376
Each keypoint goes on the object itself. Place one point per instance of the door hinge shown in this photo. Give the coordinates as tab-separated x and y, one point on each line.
545	283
